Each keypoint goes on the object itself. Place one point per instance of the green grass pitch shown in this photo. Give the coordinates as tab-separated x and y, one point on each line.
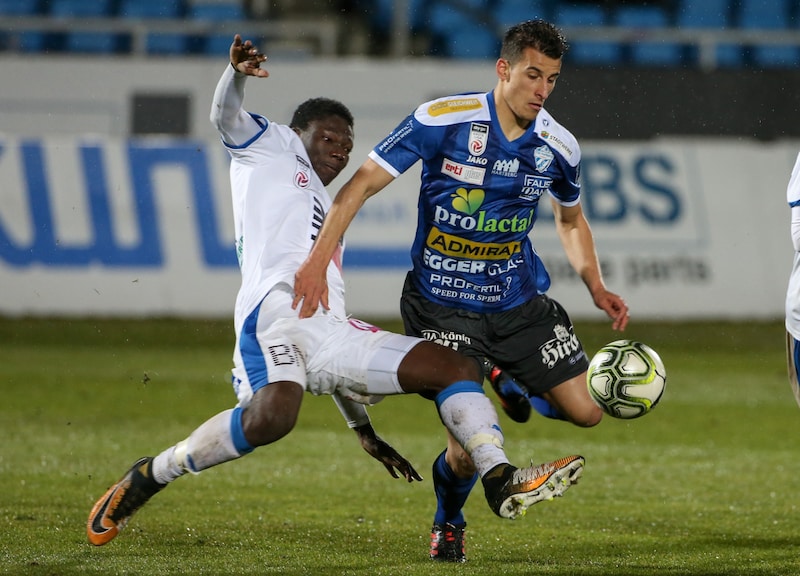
707	484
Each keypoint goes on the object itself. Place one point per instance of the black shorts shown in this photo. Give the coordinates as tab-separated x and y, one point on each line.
534	343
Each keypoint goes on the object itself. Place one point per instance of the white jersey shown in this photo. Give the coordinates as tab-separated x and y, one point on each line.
793	291
279	202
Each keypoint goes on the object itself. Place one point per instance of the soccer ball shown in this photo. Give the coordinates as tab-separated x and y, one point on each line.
626	379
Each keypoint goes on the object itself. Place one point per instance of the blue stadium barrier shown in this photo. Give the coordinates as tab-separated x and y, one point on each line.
649	53
769	15
586	52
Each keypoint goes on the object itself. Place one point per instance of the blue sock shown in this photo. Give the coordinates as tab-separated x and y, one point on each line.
546	409
237	433
451	492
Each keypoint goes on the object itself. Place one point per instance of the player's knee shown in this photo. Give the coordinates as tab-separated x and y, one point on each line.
264	423
262	429
588	416
452	366
272	413
429	368
464	368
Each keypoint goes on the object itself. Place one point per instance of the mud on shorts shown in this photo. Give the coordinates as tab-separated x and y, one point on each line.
534	343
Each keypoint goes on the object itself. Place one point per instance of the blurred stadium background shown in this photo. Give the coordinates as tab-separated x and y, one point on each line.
694	33
114	207
113	187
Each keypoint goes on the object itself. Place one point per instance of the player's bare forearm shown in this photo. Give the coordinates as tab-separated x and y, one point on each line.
579	247
310	282
591	274
609	302
578	242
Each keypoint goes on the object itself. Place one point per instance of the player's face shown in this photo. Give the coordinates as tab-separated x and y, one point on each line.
328	142
526	84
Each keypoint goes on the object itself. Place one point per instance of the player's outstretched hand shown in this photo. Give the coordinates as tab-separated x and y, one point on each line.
246	58
385	454
615	307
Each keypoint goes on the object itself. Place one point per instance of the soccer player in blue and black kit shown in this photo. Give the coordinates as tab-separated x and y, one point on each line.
477	283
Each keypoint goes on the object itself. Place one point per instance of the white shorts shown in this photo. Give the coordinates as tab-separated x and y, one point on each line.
324	353
793	360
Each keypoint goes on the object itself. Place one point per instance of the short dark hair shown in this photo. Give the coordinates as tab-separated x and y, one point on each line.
536	34
318	108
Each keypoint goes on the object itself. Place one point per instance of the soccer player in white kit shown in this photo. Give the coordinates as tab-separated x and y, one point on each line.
793	290
278	176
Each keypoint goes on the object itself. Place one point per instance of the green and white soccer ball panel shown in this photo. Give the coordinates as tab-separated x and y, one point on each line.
626	379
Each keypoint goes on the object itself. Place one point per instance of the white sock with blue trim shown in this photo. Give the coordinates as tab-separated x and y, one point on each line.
210	444
472	420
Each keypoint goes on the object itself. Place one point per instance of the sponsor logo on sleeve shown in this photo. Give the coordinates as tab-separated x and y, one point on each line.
556	142
395	137
453	105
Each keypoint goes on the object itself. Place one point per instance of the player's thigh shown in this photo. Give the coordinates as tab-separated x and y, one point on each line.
359	359
429	368
571	398
270	349
535	343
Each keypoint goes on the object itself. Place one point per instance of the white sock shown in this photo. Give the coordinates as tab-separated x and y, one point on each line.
472	420
210	444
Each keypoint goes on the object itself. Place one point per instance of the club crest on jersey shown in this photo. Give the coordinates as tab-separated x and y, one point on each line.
302	173
478	137
542	157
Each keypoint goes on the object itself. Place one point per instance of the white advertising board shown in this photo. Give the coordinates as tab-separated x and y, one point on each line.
105	226
94	222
